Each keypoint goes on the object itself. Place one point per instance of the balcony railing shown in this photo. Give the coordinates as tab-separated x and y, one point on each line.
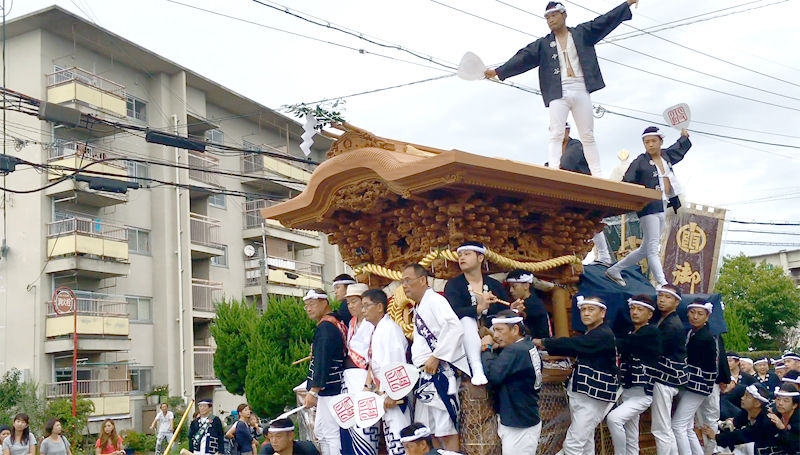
205	230
96	304
84	77
87	227
81	151
201	163
252	211
204	362
89	388
308	269
205	294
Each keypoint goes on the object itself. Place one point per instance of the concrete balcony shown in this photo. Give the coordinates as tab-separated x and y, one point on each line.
110	396
252	226
286	276
90	93
75	155
204	366
92	248
203	163
262	168
205	236
102	323
205	295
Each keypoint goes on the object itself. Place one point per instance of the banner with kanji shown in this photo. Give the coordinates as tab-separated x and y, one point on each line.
691	248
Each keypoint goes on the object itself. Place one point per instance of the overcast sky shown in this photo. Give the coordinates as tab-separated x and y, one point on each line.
752	181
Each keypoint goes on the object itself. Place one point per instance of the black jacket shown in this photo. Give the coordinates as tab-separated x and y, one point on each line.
298	448
761	431
215	436
544	53
637	349
536	318
771	381
456	292
573	158
788	440
644	172
672	362
702	360
327	359
515	381
723	370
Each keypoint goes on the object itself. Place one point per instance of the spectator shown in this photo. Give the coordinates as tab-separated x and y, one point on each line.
20	440
240	431
54	442
109	442
5	431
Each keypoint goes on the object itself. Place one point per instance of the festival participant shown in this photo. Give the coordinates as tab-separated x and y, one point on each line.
205	432
358	441
670	373
780	369
653	169
593	387
437	348
710	410
417	440
109	442
387	347
786	419
738	375
702	359
54	442
764	375
739	382
340	284
747	366
514	370
240	431
638	351
791	360
473	295
568	72
324	379
20	440
165	420
528	304
281	440
750	426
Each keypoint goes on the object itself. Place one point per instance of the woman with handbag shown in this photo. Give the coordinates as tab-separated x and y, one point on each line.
243	442
54	442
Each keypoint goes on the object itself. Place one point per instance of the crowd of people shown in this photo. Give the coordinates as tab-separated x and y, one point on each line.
18	439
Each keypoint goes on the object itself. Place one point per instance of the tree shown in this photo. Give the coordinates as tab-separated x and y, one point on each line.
232	329
766	299
736	338
282	336
74	427
18	396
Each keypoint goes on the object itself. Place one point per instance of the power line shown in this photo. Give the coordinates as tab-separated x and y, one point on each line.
747	242
767	223
391	87
755	231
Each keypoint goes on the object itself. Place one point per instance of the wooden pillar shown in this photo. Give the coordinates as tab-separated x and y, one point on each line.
561	303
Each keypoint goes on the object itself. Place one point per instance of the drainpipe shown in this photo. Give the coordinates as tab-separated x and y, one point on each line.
179	236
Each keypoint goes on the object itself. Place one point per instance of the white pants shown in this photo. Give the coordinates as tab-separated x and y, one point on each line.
600	243
326	429
745	449
623	421
393	421
162	439
585	414
707	414
472	347
661	412
522	441
365	440
683	422
652	226
575	99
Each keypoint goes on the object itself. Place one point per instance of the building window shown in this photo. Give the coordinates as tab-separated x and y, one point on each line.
141	379
137	171
221	261
215	136
217	200
136	108
140	309
138	240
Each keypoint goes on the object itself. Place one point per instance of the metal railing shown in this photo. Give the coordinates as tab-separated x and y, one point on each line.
201	163
82	150
84	77
87	227
205	294
96	304
254	162
252	211
205	230
252	269
89	388
204	362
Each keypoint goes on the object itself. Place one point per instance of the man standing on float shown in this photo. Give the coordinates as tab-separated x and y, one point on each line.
568	73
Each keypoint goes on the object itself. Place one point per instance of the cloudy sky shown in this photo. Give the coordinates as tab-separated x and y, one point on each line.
751	44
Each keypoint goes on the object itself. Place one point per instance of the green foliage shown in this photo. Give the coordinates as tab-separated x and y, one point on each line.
282	336
139	442
17	396
158	390
325	114
767	300
736	339
758	354
232	328
74	427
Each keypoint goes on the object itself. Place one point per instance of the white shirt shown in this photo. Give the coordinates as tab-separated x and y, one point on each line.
389	346
164	421
440	319
572	55
358	338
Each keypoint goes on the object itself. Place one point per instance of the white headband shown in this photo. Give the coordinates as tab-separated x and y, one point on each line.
775	361
511	320
764	360
793	381
525	278
791	355
632	302
753	390
783	393
670	292
559	7
747	360
338	282
781	367
657	132
280	430
582	302
475	248
706	306
419	433
312	294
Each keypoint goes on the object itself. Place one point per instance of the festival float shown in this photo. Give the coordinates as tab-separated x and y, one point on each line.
387	203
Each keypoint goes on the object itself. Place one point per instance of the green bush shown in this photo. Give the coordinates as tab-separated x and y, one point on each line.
139	442
232	329
74	427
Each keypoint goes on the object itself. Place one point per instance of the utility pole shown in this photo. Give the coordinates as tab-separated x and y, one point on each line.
263	274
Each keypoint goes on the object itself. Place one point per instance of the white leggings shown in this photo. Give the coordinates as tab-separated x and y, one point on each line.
652	226
472	347
575	99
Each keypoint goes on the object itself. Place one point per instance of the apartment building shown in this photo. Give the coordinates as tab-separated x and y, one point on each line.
146	266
